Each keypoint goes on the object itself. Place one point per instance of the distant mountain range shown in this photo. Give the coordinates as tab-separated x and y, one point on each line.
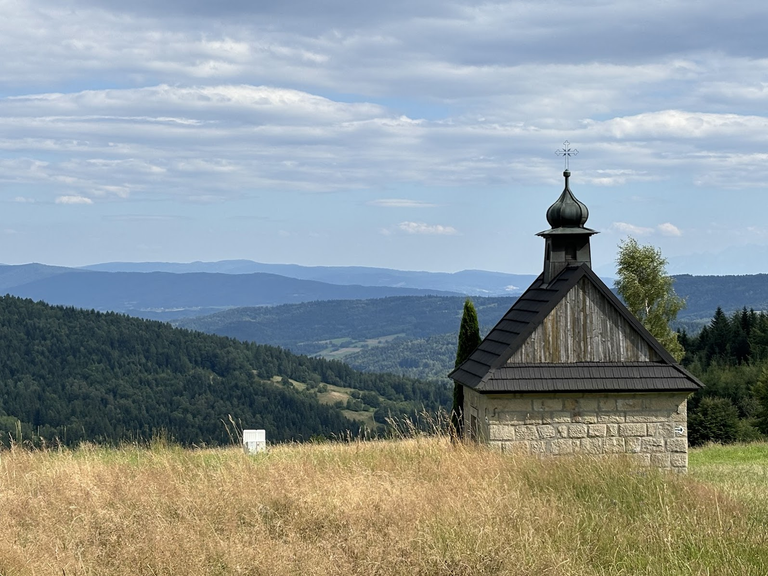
167	291
417	336
166	295
470	282
703	293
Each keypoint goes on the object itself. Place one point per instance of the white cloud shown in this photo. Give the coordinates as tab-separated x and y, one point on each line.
139	218
665	229
400	203
204	102
668	229
616	177
684	125
237	138
631	229
206	199
171	107
73	200
427	229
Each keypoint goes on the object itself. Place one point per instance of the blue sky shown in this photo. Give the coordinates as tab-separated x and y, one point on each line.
415	135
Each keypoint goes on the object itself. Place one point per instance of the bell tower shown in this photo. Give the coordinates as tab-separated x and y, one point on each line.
567	241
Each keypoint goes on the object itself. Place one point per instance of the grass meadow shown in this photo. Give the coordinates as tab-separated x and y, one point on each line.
412	506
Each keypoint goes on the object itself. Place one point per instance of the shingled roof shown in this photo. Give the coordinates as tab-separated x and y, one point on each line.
486	370
587	377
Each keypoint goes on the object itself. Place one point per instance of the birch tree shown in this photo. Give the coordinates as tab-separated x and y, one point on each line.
647	291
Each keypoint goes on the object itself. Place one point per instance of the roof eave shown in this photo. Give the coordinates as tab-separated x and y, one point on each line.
567	231
686	389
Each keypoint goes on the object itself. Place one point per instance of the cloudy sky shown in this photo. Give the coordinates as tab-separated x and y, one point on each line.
412	134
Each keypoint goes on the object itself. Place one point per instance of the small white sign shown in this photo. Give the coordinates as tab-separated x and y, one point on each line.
254	441
679	430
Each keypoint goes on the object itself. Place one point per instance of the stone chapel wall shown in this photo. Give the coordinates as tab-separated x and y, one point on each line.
650	427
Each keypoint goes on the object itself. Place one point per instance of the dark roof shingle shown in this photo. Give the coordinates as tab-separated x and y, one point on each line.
588	377
484	370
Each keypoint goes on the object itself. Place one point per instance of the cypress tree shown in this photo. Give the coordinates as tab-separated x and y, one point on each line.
469	339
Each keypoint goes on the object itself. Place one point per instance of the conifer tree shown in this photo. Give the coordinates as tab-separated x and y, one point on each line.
715	420
761	395
469	339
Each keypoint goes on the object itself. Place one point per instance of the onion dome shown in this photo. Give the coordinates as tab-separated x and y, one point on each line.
567	211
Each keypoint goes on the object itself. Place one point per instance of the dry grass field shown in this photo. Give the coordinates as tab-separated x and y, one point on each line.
418	506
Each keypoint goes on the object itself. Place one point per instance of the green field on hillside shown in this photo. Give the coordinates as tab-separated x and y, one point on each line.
339	348
339	397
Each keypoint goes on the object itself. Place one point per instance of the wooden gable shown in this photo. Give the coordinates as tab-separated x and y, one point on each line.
585	326
571	334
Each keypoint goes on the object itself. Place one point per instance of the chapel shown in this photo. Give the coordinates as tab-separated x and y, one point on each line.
569	370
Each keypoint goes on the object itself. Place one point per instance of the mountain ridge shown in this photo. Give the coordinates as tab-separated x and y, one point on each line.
166	295
470	282
191	291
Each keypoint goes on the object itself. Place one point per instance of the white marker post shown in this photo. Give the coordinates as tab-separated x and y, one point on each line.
254	441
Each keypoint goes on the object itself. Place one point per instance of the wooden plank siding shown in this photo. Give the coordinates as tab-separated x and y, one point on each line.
584	327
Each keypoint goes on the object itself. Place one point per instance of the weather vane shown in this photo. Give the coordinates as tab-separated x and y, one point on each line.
566	152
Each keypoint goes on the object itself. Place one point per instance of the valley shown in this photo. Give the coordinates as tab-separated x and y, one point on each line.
361	360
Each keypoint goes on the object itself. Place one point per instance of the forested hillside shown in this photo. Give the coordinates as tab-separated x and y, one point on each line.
78	375
317	327
429	358
730	355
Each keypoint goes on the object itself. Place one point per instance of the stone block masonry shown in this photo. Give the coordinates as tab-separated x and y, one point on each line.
650	427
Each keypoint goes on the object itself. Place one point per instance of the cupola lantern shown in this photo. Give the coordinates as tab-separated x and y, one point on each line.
567	241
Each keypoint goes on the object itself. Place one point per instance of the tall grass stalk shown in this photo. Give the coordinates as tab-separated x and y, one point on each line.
419	506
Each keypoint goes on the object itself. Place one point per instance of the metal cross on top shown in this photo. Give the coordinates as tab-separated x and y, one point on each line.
566	152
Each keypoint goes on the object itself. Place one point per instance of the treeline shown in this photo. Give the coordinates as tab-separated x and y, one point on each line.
70	375
730	356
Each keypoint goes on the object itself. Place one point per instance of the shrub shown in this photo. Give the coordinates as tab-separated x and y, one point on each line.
746	431
714	420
